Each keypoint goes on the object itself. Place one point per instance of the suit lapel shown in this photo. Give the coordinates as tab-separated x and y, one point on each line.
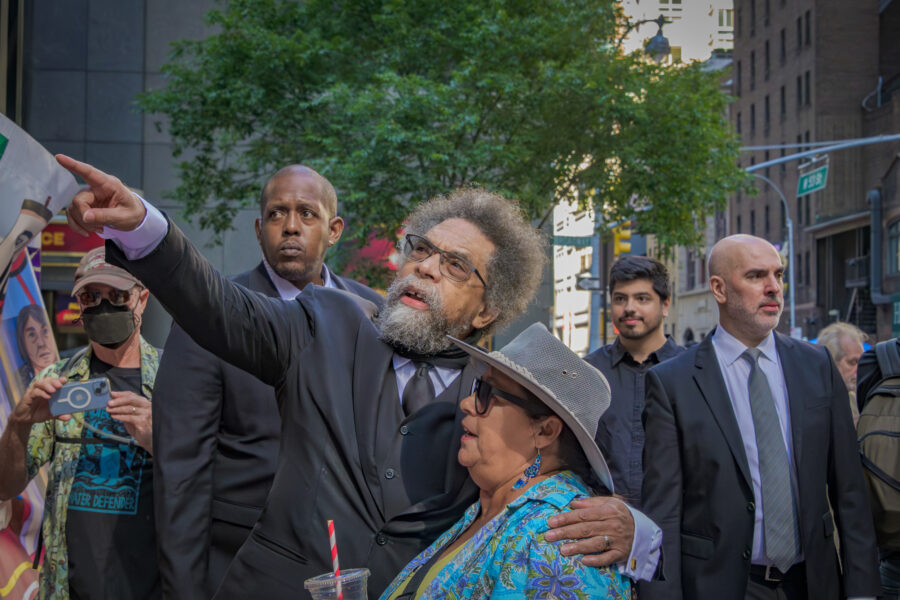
708	377
371	365
795	386
339	282
260	282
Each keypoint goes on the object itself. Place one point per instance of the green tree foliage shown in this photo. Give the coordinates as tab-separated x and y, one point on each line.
399	100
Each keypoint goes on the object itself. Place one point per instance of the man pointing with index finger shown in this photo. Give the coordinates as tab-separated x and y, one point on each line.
370	411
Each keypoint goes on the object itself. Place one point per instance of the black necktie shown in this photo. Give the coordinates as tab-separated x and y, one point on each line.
419	389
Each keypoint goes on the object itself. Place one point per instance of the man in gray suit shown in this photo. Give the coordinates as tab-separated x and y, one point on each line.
746	432
370	418
217	427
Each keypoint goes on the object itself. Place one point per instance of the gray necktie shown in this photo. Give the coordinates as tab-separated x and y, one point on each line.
779	517
419	390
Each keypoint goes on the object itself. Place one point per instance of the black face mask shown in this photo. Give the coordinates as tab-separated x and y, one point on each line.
108	325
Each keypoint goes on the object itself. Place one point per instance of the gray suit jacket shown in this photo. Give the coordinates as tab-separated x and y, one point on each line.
697	484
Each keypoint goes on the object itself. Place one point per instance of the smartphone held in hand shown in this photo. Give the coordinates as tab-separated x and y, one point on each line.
79	396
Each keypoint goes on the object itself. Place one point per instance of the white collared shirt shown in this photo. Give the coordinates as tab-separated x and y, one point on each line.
286	289
441	377
736	372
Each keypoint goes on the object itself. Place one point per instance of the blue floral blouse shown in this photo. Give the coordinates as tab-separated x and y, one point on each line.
509	557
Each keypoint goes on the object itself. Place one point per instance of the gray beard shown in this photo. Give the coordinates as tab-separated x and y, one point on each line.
421	331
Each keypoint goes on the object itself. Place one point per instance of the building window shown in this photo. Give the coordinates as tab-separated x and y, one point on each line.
783	221
799	92
752	222
783	51
725	17
752	18
766	71
691	269
893	240
806	79
806	269
799	33
739	23
806	140
738	224
766	11
808	29
752	70
752	119
766	159
800	147
737	80
782	102
766	222
783	170
808	219
799	265
799	211
738	123
767	115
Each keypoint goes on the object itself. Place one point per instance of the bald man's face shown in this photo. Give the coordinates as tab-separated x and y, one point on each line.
752	297
296	229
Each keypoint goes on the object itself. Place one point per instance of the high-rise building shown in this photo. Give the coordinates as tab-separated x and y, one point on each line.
695	29
805	72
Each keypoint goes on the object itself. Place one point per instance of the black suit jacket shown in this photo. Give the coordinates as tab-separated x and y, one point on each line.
216	436
347	452
697	485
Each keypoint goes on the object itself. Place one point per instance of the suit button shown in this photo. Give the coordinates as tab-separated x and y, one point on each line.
751	507
746	554
389	473
404	430
380	539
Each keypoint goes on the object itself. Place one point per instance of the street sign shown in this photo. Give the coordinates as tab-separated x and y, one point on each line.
579	241
813	181
589	284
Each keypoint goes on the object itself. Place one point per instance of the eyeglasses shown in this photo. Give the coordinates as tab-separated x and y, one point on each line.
90	298
484	391
453	265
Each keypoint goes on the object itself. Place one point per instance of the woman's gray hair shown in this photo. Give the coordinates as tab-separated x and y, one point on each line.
514	271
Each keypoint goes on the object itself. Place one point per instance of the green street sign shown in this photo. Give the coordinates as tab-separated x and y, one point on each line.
581	241
812	181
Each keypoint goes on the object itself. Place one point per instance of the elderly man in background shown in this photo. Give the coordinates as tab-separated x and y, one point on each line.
845	342
98	518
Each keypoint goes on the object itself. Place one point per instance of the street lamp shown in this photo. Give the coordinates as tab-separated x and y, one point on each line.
658	47
790	227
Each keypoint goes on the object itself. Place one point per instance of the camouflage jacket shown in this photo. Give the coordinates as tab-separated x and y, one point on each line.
63	459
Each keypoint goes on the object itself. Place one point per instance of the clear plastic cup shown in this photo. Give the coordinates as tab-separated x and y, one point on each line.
353	585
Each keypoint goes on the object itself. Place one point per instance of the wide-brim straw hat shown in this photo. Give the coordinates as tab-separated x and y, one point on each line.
575	391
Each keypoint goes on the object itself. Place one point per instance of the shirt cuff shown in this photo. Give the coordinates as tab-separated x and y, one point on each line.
144	238
645	549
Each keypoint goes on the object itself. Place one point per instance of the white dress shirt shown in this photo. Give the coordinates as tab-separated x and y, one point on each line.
736	372
286	289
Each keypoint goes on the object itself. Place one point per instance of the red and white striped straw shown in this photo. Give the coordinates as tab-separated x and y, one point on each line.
334	560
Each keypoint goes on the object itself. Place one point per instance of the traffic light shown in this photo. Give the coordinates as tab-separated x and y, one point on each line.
622	239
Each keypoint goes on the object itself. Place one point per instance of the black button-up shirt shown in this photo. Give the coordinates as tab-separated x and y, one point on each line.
620	433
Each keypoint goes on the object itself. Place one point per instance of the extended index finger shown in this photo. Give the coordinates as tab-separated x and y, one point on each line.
91	175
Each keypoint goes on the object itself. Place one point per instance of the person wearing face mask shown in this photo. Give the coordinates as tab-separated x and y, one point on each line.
98	528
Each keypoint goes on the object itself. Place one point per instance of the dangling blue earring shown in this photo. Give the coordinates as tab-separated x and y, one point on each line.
530	473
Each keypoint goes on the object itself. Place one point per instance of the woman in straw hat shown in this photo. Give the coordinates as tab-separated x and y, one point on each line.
528	443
